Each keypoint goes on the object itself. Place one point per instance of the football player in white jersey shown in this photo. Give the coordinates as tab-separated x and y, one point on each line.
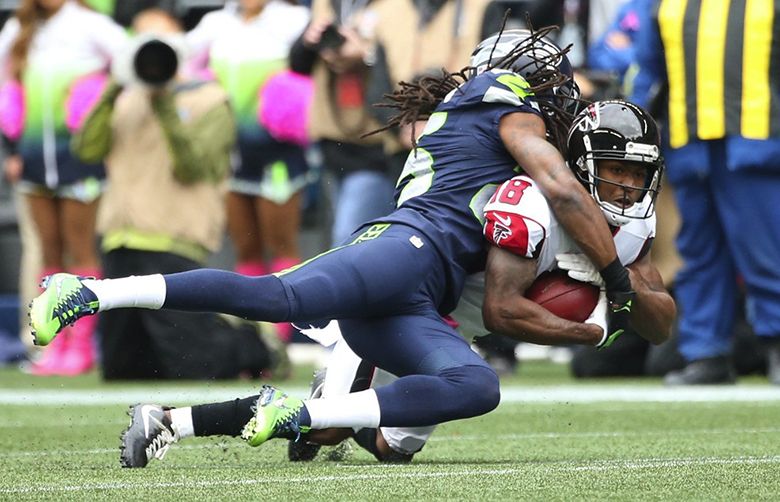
614	150
613	147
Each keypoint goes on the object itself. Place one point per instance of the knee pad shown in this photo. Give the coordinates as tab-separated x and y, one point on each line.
479	384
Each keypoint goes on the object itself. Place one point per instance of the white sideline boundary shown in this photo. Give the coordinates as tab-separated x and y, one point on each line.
509	394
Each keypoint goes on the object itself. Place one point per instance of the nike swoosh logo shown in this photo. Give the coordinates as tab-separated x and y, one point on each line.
145	410
504	220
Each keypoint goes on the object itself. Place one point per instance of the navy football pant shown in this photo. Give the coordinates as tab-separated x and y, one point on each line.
384	288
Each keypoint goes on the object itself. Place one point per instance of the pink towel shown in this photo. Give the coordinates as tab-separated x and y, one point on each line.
84	95
12	109
284	106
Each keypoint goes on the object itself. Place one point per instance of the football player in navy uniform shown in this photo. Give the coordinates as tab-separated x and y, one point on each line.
613	147
392	282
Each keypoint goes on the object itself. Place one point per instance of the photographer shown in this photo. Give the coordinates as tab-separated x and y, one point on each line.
356	52
336	51
166	144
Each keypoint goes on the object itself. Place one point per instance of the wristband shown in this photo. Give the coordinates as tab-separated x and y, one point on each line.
615	276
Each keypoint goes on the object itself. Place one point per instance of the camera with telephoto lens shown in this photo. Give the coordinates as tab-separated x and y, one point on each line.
149	60
155	62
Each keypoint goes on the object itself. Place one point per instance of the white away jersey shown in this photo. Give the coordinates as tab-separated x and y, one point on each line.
519	219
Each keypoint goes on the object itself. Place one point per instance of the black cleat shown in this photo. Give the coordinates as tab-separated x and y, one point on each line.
711	371
149	435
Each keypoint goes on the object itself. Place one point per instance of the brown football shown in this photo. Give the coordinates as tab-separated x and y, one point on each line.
563	296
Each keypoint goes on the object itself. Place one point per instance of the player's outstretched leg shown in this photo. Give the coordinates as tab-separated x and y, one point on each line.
149	435
64	301
277	415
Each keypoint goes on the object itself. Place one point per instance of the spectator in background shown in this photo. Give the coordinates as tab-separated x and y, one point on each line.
124	12
243	45
167	150
45	50
336	50
723	159
614	50
346	49
414	38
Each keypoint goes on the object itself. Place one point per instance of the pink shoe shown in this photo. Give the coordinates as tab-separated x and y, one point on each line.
79	357
53	356
253	268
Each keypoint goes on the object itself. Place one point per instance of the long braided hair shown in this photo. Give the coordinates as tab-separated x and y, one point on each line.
418	99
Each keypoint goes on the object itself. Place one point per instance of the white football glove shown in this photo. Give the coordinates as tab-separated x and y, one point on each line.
580	268
599	317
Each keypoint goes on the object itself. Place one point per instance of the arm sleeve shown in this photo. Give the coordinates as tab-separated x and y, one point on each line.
200	149
199	40
92	142
109	38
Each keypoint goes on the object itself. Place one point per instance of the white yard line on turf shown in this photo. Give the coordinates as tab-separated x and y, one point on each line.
652	463
439	438
513	394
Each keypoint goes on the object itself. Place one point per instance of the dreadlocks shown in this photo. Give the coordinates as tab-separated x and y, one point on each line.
418	99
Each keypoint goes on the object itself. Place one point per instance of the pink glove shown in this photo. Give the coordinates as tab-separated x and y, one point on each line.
284	107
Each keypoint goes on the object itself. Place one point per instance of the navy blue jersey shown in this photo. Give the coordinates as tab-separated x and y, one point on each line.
456	168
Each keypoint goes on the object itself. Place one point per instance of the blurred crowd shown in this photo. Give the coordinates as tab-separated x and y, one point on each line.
158	136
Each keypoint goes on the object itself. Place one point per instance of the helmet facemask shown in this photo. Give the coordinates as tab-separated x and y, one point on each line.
587	170
619	131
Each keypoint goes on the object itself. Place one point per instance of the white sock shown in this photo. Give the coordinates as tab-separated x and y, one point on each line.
138	291
357	410
181	420
342	367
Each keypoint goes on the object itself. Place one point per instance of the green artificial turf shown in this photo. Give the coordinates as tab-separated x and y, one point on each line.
523	450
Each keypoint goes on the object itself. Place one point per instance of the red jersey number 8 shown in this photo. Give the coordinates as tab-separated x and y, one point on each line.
510	193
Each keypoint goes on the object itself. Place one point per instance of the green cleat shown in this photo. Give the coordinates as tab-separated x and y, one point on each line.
276	416
65	301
